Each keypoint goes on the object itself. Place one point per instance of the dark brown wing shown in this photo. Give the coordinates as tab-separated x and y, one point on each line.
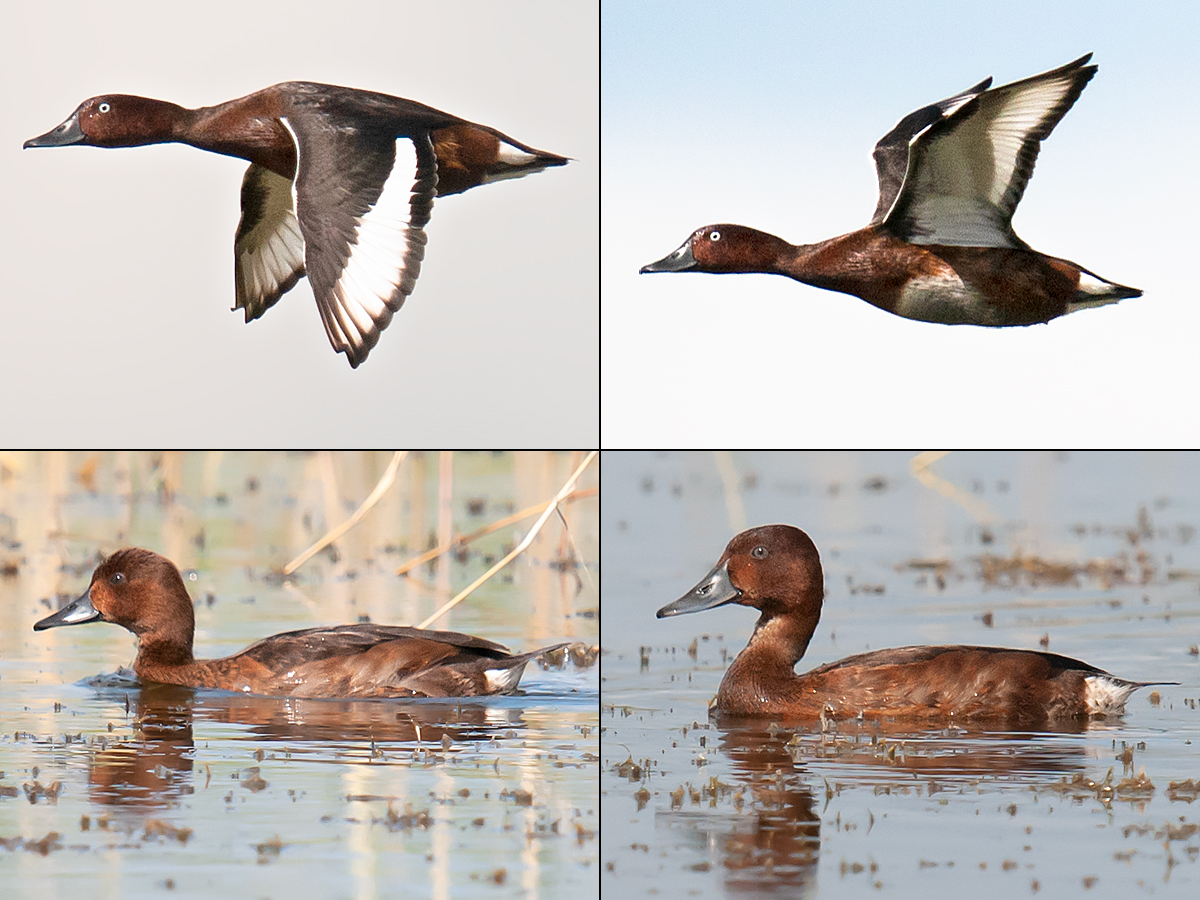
905	655
294	648
363	198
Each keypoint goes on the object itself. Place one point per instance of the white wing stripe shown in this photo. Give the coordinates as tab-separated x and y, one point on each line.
378	246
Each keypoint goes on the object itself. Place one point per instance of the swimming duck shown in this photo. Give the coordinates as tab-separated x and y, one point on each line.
340	187
776	569
940	246
142	591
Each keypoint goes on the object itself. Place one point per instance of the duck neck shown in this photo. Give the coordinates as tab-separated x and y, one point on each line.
777	644
248	129
810	263
154	653
168	646
849	263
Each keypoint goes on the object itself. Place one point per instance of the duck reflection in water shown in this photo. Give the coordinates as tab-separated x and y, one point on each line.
154	767
762	826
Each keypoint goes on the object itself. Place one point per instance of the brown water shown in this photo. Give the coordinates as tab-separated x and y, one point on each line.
111	790
1095	554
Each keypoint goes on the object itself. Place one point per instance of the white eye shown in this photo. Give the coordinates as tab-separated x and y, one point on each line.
714	236
104	107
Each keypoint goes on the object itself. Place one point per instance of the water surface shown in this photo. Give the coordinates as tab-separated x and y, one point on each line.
111	789
1094	555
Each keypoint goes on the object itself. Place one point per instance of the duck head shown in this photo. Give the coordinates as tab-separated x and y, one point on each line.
723	249
114	120
774	568
138	590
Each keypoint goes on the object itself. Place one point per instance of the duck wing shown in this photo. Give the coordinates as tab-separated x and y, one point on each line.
268	248
901	656
386	661
967	172
293	648
362	197
891	153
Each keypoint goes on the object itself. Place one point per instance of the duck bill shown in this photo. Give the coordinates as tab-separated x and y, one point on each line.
715	590
75	613
69	132
679	261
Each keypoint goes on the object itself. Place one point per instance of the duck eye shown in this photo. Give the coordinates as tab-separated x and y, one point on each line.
104	107
117	578
714	235
759	552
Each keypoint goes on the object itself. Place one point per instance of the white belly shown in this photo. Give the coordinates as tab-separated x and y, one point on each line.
947	300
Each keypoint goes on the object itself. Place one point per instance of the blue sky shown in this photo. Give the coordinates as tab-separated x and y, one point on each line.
765	114
115	322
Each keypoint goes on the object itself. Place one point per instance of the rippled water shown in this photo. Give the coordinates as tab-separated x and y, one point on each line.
1095	554
109	789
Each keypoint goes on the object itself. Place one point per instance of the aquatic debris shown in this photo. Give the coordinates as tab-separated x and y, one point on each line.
253	782
518	796
406	821
158	828
1020	570
1138	787
677	797
628	769
1125	756
1183	790
46	844
1081	787
1168	832
496	876
583	655
269	850
37	789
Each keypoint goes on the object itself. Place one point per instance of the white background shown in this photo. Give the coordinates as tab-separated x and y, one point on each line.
115	319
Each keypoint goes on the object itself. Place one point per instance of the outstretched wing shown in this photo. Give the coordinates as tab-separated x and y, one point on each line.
362	199
891	153
268	250
967	173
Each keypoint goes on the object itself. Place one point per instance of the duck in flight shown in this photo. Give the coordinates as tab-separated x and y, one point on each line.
940	246
340	187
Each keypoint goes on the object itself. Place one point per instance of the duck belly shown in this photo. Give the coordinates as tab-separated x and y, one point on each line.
947	300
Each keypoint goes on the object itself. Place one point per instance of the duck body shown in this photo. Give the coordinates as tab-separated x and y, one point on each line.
144	593
940	246
340	187
777	569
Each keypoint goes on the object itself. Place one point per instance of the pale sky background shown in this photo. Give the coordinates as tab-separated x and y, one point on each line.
115	322
765	114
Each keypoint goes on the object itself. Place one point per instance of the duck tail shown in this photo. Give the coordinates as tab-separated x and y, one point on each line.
1096	291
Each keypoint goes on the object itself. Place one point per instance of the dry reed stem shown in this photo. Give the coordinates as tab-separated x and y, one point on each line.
528	539
488	529
380	489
